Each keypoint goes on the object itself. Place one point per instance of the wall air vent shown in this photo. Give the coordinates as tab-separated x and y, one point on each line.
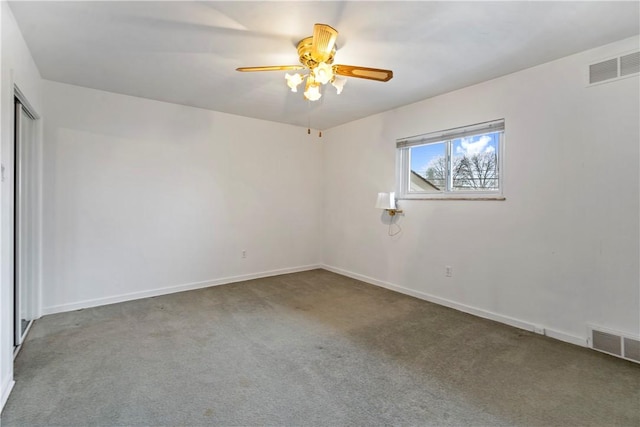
614	343
605	70
630	64
632	349
608	343
614	68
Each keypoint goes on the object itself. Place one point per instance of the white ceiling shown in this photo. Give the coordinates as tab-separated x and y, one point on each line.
187	52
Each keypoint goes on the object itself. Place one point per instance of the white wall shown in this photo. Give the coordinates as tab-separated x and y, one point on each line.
17	68
144	197
560	252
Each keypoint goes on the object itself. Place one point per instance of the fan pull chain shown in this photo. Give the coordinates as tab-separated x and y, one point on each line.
309	121
319	132
308	117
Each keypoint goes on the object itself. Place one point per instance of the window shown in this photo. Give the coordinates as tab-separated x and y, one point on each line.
456	163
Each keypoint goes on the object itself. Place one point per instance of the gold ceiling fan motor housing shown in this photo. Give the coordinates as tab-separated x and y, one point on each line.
305	53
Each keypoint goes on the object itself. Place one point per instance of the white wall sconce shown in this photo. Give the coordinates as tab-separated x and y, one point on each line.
387	201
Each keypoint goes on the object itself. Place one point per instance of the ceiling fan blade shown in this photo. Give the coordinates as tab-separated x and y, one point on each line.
324	40
363	72
272	68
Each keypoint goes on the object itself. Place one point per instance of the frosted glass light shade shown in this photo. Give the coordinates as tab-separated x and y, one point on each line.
338	83
386	201
313	92
323	73
293	80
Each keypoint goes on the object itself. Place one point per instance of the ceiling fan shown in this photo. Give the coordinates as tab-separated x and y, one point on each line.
316	55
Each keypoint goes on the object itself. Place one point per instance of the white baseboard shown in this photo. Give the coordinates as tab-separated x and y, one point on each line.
7	386
172	289
517	323
571	339
521	324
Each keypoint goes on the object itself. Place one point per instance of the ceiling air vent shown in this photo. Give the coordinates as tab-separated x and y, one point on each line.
614	343
614	68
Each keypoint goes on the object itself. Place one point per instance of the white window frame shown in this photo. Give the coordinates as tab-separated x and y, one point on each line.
403	162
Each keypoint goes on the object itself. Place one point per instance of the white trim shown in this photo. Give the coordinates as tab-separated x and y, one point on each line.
487	197
6	390
40	222
17	93
172	289
517	323
566	337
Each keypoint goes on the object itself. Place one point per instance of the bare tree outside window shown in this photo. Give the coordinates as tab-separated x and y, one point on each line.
437	171
478	172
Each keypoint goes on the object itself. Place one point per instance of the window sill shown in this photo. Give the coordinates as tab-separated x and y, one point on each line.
458	198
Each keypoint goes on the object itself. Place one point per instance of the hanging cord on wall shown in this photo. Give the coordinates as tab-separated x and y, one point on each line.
398	226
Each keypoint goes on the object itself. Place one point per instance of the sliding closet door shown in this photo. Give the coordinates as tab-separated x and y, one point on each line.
25	217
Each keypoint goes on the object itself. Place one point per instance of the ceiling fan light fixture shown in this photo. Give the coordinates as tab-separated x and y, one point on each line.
316	55
293	81
338	83
312	91
323	73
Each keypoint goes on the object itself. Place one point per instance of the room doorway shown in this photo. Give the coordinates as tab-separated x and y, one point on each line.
25	219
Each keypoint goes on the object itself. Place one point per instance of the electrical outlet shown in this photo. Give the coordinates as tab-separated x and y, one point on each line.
244	253
448	271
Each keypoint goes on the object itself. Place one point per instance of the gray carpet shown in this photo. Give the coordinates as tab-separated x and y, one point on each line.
307	349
